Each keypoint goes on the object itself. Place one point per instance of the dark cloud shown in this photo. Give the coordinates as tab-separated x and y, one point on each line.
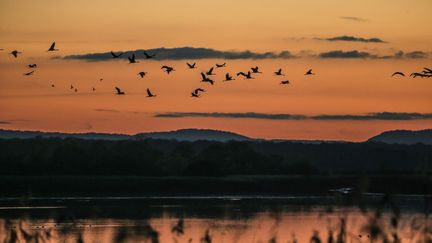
106	110
5	122
354	39
353	18
345	54
416	54
184	53
396	116
363	54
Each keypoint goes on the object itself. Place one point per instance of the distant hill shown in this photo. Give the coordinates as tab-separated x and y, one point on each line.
404	137
179	135
194	135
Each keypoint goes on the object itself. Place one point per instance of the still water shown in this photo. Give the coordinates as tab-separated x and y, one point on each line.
374	218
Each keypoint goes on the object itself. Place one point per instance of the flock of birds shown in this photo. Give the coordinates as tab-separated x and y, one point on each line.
205	76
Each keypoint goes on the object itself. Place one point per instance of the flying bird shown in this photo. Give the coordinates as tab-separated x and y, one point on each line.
191	66
194	95
132	59
149	94
309	72
427	71
52	47
247	75
15	53
71	87
414	75
210	71
285	82
76	90
206	79
168	69
221	65
255	69
29	73
32	66
142	74
279	72
116	55
199	90
52	85
119	92
398	73
100	80
147	56
228	77
93	89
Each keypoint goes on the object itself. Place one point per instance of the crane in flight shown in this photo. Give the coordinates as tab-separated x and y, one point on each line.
150	94
168	69
142	74
132	59
29	73
228	77
52	47
206	79
148	56
196	94
247	75
119	91
221	65
210	71
309	72
191	66
279	72
32	66
255	69
15	53
398	73
116	55
285	82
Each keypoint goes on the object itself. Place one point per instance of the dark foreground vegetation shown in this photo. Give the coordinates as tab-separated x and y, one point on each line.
43	165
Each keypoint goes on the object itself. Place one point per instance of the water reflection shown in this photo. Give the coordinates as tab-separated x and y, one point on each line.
206	220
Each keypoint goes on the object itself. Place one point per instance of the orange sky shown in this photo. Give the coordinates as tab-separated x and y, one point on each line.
341	86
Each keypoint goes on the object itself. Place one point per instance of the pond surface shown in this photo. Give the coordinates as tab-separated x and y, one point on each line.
215	219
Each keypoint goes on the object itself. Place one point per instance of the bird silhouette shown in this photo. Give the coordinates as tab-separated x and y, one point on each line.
398	73
52	47
52	85
147	56
194	95
149	94
116	55
206	79
255	69
71	87
285	82
15	53
132	59
76	90
101	79
142	74
191	66
119	91
32	66
279	72
210	71
168	69
196	91
93	89
221	65
309	72
228	77
247	75
414	75
29	73
427	71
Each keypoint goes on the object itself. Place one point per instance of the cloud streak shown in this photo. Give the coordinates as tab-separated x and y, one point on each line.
351	18
182	53
363	54
353	39
395	116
